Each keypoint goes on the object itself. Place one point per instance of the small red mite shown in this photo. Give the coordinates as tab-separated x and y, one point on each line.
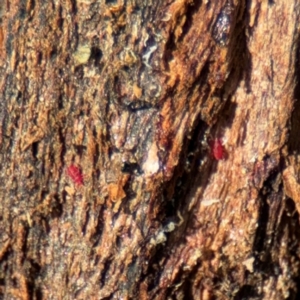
75	174
217	149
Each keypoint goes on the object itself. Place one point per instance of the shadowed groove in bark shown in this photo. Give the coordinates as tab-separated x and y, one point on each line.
294	140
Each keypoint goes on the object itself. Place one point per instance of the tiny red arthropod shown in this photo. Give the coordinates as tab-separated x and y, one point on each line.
75	174
217	149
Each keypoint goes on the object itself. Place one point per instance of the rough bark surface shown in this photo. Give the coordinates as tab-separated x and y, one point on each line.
129	96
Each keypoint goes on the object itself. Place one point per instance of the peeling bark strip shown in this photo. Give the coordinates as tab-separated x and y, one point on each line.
132	91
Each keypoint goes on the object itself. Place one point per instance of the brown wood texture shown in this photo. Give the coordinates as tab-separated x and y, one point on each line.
133	94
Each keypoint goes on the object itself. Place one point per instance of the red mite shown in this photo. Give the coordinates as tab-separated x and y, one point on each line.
75	174
217	149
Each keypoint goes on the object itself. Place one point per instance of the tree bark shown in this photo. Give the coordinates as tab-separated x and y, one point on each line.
149	149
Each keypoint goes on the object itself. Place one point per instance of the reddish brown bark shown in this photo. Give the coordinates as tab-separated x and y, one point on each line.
131	93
